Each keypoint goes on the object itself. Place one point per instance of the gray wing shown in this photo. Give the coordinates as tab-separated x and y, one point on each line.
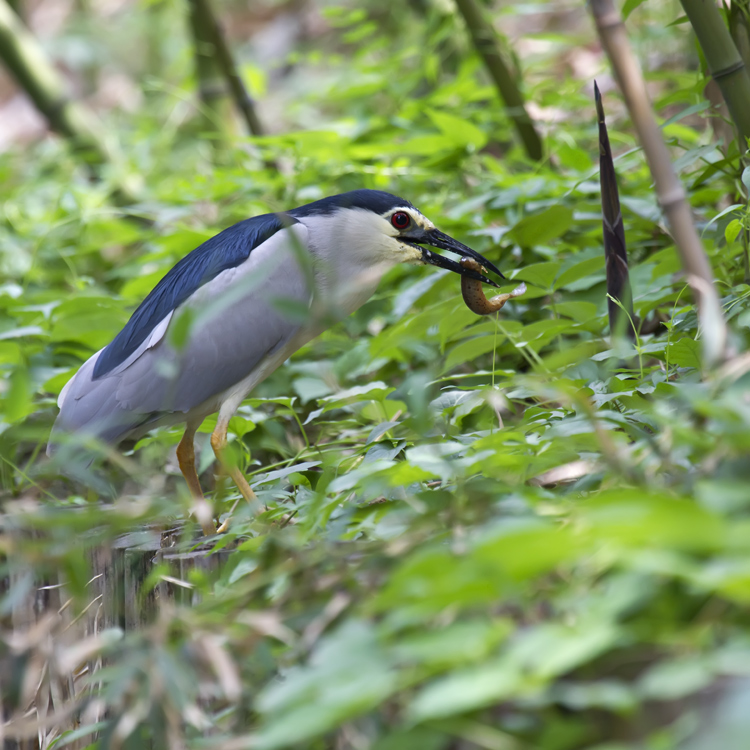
237	322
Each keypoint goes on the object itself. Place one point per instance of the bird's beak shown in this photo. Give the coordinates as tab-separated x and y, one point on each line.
436	238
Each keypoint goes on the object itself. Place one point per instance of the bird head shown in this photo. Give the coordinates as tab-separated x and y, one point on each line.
412	231
375	227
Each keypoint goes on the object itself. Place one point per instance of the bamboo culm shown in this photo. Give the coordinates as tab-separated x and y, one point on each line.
669	190
486	43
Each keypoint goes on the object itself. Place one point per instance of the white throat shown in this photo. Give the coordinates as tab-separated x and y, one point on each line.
351	251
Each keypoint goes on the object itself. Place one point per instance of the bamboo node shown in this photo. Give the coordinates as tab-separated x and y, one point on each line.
739	65
672	197
609	20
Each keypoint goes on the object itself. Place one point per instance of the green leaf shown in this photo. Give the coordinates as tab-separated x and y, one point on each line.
541	228
384	450
18	404
685	353
10	353
728	210
693	155
538	274
459	130
469	689
649	519
272	476
358	393
379	431
455	644
348	675
581	312
469	351
676	679
732	230
309	389
93	321
23	332
629	6
581	270
553	649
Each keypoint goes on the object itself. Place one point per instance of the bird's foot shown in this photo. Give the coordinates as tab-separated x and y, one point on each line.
225	523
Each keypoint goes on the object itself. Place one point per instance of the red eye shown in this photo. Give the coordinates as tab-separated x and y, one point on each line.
400	220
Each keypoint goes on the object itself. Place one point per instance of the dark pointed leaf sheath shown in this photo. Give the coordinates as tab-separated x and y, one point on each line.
615	252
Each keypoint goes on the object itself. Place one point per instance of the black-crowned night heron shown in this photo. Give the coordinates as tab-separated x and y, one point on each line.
234	309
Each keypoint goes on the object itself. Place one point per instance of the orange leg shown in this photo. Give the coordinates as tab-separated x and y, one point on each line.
219	444
186	460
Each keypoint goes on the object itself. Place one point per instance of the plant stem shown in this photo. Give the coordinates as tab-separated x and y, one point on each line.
669	190
216	112
218	61
487	45
724	62
738	28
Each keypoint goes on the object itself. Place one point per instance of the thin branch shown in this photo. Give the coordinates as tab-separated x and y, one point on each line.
487	45
615	251
225	63
669	190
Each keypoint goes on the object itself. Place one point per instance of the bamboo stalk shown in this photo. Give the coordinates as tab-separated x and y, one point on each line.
669	191
222	62
487	45
739	28
17	6
28	64
216	109
739	21
615	250
725	63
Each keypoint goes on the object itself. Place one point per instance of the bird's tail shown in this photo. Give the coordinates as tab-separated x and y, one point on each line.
90	414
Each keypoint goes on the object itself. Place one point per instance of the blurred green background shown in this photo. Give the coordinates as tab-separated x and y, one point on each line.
497	532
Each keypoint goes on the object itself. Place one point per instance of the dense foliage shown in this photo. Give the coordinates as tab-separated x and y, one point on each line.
478	532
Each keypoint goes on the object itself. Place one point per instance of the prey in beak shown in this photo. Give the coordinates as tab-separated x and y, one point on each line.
436	238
